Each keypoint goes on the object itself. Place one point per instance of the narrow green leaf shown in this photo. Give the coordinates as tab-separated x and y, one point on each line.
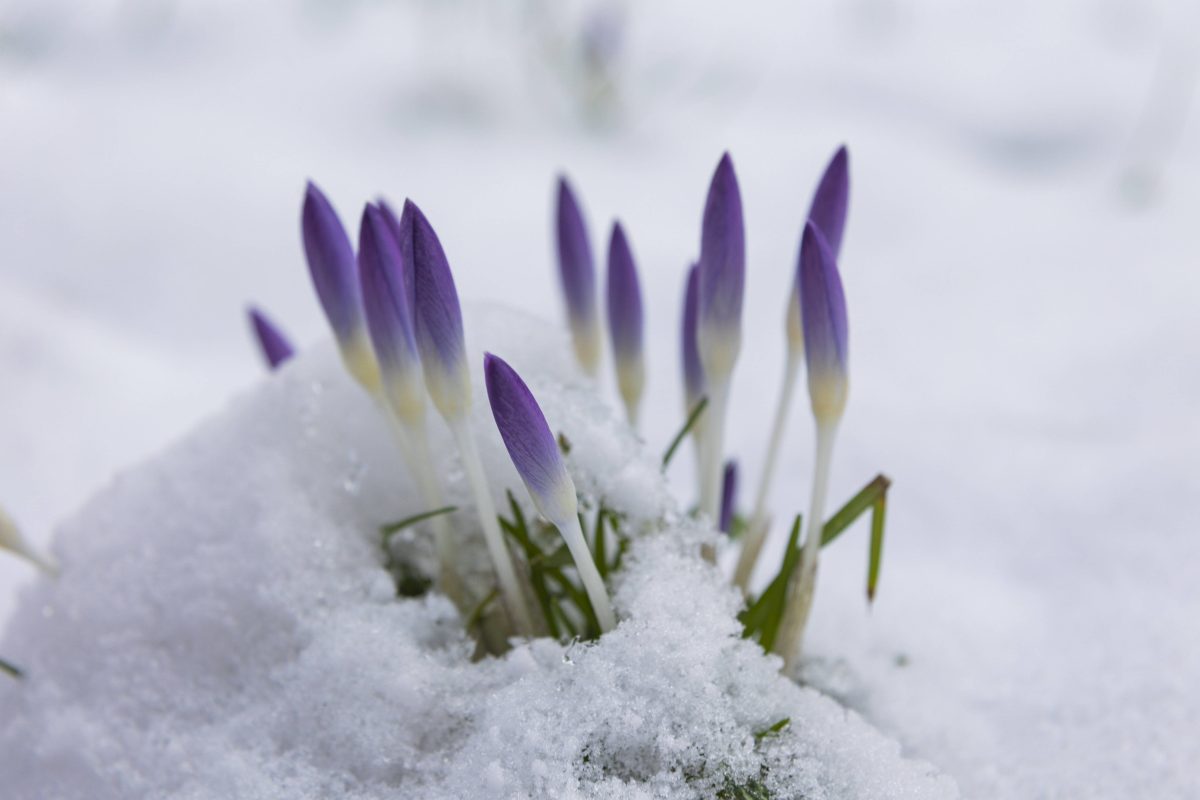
12	670
393	528
599	543
763	617
854	508
875	556
683	432
477	613
774	729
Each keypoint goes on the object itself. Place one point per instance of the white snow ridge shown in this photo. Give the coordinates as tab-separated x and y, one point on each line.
224	628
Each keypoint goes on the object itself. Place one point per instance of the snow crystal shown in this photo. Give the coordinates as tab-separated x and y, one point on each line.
224	627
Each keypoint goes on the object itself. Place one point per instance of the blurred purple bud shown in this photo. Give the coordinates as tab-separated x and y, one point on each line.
693	371
381	269
437	320
331	263
823	310
729	484
577	274
531	445
624	298
831	199
401	228
722	272
274	346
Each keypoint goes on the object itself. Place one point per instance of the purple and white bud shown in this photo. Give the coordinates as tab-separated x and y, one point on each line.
625	321
722	274
385	301
577	274
693	370
823	305
828	212
273	345
729	486
335	275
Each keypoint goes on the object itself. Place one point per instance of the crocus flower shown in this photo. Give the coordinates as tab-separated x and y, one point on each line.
625	321
722	273
693	371
12	540
438	319
335	276
534	452
828	212
578	276
385	301
271	342
728	495
825	334
401	228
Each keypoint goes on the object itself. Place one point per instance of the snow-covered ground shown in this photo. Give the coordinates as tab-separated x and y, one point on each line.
1022	310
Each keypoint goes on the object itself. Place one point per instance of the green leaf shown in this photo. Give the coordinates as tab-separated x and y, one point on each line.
12	670
393	528
773	730
854	508
683	432
764	616
599	543
477	613
875	555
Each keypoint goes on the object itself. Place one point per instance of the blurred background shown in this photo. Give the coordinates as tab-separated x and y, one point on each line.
1020	263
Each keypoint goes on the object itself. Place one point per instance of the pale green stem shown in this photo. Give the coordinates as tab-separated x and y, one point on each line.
714	438
510	588
593	584
756	529
800	589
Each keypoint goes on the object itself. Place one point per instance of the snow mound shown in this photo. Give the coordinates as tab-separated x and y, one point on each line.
224	627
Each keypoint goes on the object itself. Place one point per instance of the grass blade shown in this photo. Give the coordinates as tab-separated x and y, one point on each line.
701	404
878	512
11	669
393	528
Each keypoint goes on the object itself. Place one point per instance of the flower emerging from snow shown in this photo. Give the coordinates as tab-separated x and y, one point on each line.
828	212
271	342
577	273
823	305
625	321
722	274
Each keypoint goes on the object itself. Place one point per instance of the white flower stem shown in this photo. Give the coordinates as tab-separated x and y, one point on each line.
510	588
585	564
756	529
800	589
714	437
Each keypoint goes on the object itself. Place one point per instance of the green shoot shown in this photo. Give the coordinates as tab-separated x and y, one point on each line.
12	670
692	418
773	730
393	528
477	613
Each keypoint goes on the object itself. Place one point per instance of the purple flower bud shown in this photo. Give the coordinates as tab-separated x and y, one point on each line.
693	371
578	276
271	342
728	495
823	305
438	319
531	445
385	300
722	273
625	319
335	275
828	213
401	228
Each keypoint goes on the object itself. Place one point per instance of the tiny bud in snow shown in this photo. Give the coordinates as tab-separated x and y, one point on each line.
437	320
693	371
625	321
12	540
828	213
335	276
385	301
271	342
722	274
577	274
729	484
823	305
531	446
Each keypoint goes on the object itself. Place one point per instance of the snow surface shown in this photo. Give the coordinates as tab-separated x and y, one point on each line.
1023	327
224	627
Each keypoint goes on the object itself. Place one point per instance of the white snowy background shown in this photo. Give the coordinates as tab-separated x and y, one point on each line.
1020	264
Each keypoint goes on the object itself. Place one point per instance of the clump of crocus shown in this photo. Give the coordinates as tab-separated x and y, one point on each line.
823	311
388	312
12	541
273	345
334	273
535	454
721	278
625	322
828	213
577	272
441	343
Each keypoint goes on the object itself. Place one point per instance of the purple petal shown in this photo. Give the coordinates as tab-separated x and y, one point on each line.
531	445
624	298
729	484
385	300
401	228
693	371
575	265
722	254
274	345
823	311
830	201
331	263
